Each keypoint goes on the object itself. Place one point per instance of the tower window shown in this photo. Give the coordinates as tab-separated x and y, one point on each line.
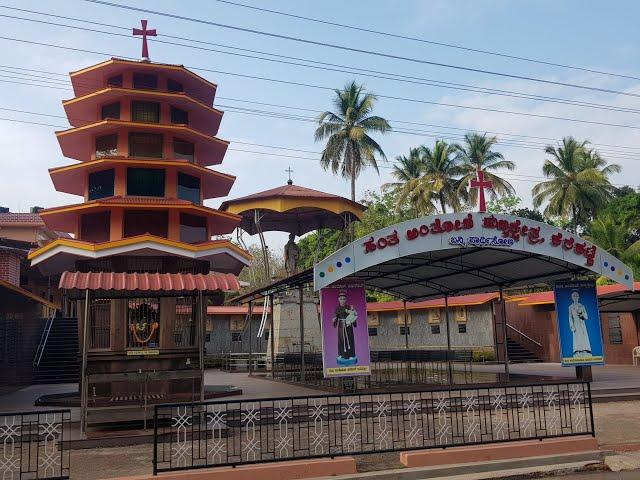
188	188
148	112
193	228
174	87
115	81
183	150
179	116
101	184
145	182
145	145
145	81
95	227
111	110
107	146
139	222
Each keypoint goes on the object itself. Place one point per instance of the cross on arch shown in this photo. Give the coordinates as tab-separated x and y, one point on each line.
480	183
144	32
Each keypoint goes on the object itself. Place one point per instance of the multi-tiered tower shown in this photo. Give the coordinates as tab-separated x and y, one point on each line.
142	260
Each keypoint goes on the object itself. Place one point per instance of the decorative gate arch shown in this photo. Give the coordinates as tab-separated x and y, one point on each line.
460	253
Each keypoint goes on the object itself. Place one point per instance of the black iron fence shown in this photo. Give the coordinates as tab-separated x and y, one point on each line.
209	434
389	368
34	445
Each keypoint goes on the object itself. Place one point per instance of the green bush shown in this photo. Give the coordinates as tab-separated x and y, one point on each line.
483	356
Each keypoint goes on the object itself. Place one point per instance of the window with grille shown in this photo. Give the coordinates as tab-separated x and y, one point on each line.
143	322
405	330
188	187
184	329
145	81
101	184
100	324
148	112
111	110
236	336
145	145
183	150
435	329
115	81
615	329
373	331
146	182
95	227
140	222
179	116
107	146
174	86
193	228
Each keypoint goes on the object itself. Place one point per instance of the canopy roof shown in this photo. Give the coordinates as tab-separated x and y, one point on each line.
294	209
458	254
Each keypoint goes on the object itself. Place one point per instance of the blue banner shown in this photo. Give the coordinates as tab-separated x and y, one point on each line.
579	329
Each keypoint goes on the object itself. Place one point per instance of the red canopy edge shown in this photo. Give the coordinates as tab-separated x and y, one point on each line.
225	282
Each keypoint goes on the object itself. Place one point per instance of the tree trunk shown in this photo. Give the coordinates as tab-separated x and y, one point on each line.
353	187
442	203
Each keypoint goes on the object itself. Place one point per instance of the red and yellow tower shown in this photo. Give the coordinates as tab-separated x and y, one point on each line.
144	134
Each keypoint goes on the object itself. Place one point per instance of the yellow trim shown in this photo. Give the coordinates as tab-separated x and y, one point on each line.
148	126
281	205
161	66
96	247
132	91
131	161
143	206
536	303
27	293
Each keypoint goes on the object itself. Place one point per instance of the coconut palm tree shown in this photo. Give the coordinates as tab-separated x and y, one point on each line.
411	190
615	238
443	172
476	153
578	184
349	148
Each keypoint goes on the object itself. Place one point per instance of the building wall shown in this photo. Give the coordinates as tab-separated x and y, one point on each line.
20	233
479	335
10	268
221	338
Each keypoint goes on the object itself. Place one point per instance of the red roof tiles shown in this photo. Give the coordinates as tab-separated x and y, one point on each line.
13	218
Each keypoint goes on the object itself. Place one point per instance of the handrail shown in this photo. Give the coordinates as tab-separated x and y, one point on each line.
43	340
524	335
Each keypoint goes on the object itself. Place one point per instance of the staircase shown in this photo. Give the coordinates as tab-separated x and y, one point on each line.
519	354
58	360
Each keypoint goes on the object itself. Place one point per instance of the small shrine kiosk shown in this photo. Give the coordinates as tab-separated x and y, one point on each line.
141	266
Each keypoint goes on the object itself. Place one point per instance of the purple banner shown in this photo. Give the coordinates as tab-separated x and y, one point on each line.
345	335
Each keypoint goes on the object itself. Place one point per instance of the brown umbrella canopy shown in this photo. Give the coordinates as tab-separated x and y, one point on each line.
294	209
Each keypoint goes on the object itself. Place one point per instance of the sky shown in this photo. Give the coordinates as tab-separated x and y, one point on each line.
592	35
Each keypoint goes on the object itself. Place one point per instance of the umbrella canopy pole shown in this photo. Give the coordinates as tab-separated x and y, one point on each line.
263	244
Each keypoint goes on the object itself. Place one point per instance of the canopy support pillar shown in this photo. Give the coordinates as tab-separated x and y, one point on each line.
503	321
406	339
446	319
250	337
200	337
84	393
272	339
301	303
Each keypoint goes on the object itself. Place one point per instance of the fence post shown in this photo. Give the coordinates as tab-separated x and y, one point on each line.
155	440
593	424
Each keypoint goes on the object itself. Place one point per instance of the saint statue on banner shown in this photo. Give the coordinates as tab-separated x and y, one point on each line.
578	323
345	319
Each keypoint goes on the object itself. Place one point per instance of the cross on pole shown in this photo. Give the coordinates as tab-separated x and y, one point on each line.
480	183
289	171
144	32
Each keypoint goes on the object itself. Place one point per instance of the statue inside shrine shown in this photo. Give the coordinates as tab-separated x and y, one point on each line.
291	255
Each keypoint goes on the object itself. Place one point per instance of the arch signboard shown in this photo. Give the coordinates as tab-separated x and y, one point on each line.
464	252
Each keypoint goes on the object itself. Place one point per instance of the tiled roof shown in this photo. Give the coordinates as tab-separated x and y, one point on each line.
545	298
233	310
13	218
462	300
291	191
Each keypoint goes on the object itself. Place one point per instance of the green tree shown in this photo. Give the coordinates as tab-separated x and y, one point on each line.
578	185
442	172
615	237
410	189
349	147
477	153
256	274
511	206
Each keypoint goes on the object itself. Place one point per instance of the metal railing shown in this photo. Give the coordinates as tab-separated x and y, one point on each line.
34	445
210	434
524	335
43	340
389	368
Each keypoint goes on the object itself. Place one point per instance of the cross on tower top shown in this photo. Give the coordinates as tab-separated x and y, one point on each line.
144	32
289	171
480	183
